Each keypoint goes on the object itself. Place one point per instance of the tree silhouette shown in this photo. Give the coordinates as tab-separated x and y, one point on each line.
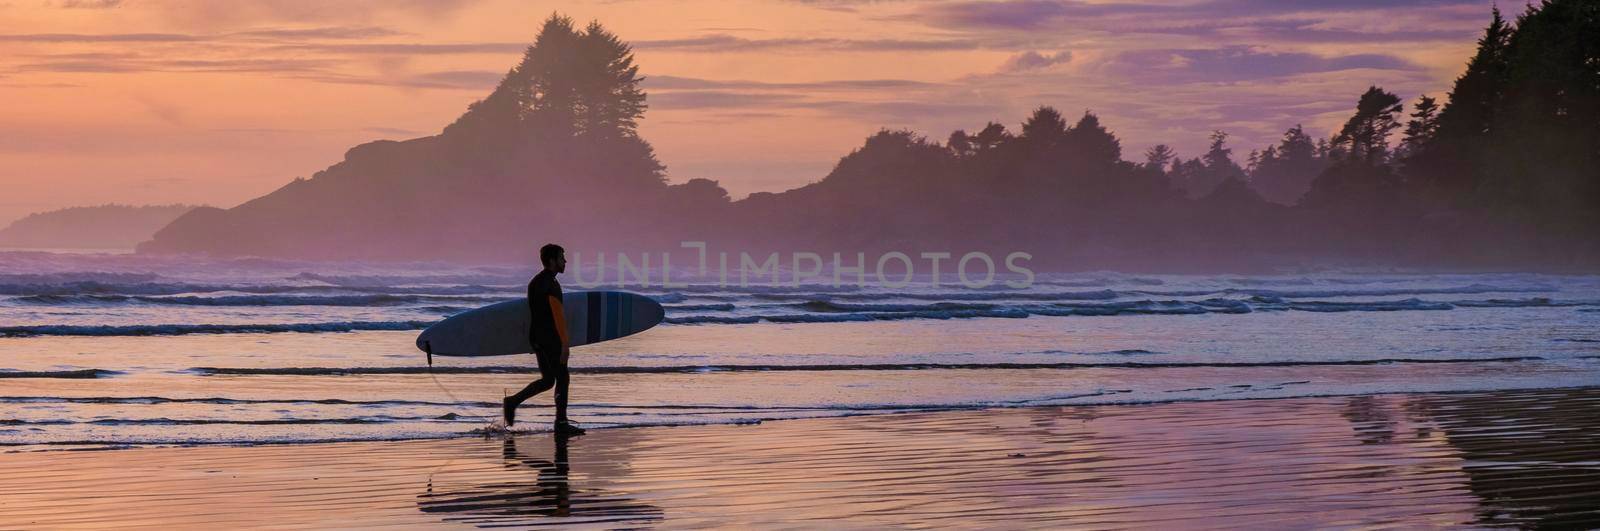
1421	129
1285	170
1216	166
1089	142
1044	128
1365	136
1158	157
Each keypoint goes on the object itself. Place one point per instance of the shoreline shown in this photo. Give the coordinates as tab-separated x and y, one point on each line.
524	431
1522	458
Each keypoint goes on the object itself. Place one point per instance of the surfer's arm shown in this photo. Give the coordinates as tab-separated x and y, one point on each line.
559	315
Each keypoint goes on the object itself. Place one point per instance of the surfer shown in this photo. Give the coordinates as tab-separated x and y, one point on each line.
548	333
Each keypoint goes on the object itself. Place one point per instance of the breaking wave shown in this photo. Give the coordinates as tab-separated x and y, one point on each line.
678	369
182	329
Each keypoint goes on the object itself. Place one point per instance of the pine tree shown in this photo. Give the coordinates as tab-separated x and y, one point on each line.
1158	157
1449	169
1421	129
1286	170
1044	127
1089	142
1217	166
609	99
1365	136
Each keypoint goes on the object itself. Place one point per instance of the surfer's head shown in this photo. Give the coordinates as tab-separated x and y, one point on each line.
553	257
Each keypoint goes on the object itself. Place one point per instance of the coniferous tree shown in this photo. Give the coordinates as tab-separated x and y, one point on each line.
1365	136
1449	170
1420	130
1217	166
991	137
960	144
1044	128
1088	142
1159	157
609	99
1286	170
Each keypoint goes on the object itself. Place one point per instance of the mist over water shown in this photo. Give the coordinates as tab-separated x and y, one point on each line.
102	350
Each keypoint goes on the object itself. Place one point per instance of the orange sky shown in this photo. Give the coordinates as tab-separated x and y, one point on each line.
216	102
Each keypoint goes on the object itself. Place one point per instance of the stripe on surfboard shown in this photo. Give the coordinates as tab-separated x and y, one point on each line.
593	311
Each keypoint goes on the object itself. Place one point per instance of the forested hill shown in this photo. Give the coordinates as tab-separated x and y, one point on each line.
96	227
1501	172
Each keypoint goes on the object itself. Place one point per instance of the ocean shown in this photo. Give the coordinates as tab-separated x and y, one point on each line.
101	351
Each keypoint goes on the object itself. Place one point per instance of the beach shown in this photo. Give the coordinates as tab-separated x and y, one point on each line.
141	391
1508	458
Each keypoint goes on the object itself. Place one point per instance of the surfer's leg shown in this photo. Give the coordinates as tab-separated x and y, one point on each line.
509	406
561	394
547	379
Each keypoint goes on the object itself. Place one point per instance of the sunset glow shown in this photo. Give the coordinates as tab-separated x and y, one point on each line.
162	101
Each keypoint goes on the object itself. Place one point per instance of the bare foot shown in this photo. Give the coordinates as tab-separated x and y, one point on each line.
510	411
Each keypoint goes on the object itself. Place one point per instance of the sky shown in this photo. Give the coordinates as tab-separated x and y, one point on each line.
217	102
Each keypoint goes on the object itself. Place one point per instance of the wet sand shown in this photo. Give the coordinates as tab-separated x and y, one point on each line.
1512	458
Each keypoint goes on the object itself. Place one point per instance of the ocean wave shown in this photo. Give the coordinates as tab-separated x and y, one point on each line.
252	300
75	276
156	400
796	318
825	306
162	288
1371	306
823	367
194	422
184	329
405	279
73	374
1390	292
1523	303
1097	295
716	307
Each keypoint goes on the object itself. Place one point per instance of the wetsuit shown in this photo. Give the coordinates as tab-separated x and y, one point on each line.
548	333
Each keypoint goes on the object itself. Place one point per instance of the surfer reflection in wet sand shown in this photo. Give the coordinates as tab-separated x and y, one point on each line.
513	501
548	333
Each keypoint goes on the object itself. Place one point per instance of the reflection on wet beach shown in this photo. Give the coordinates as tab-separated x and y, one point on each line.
533	490
1522	459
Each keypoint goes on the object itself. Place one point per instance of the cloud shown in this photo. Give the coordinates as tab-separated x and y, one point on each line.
410	48
720	99
1235	63
1301	30
1026	14
166	112
900	113
90	4
722	43
681	83
1032	60
215	14
1255	21
269	34
109	37
126	64
474	79
327	33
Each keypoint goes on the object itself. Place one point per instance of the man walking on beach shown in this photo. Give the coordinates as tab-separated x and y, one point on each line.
548	333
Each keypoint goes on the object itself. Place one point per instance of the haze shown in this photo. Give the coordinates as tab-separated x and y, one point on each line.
193	101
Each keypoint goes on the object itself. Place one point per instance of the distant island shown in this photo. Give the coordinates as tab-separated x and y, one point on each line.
1503	172
91	227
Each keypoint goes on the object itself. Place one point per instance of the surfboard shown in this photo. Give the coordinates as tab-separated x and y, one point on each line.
501	328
